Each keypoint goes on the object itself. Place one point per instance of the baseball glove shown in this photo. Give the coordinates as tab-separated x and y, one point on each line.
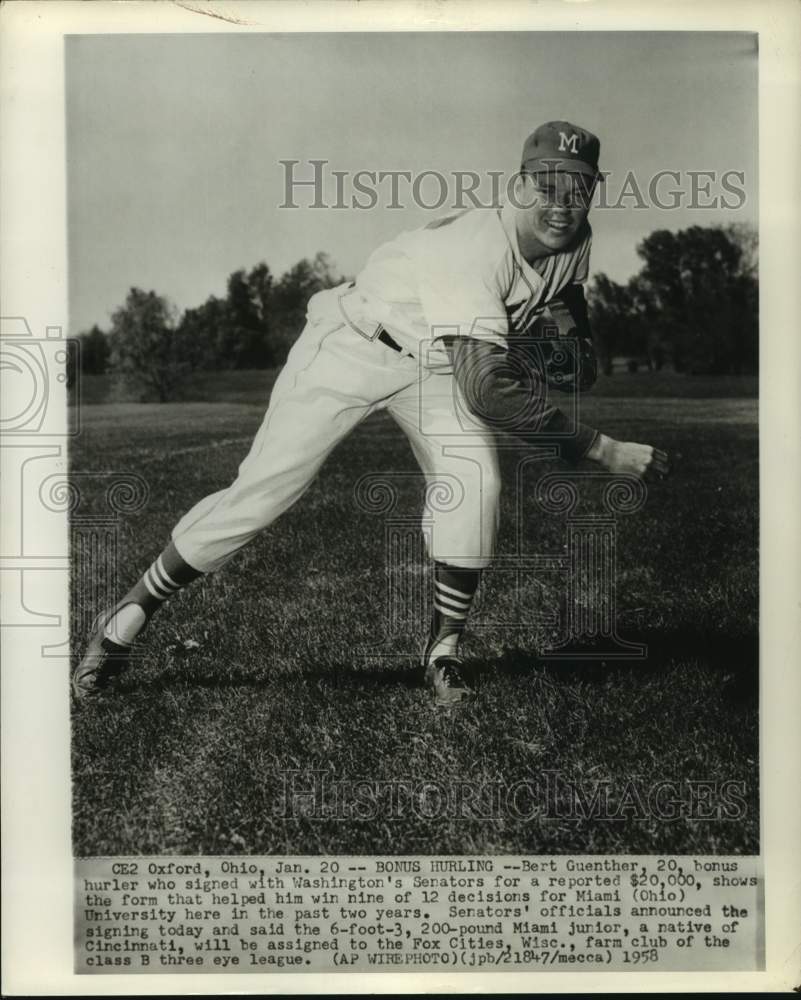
564	361
569	363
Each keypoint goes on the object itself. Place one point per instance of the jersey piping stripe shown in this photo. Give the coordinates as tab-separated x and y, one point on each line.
452	590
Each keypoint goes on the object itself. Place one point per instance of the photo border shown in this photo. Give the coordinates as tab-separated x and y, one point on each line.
37	860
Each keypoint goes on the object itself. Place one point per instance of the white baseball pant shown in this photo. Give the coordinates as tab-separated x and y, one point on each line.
333	379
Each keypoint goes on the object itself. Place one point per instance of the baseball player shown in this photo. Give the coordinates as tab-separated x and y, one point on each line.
436	331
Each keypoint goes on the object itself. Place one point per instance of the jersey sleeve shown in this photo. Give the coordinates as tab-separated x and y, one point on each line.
514	399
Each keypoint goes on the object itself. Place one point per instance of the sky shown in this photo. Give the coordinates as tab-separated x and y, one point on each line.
175	142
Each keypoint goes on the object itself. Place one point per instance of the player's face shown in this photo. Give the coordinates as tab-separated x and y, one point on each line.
551	209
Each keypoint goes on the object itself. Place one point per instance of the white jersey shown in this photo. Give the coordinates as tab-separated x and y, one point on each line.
459	275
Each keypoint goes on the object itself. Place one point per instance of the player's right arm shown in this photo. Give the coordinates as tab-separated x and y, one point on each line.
508	395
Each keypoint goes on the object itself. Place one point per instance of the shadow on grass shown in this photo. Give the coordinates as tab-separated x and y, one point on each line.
333	676
734	656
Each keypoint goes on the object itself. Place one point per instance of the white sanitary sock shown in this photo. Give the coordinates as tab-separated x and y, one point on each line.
124	626
447	646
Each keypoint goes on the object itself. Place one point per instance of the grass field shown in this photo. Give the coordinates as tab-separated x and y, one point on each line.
259	671
250	387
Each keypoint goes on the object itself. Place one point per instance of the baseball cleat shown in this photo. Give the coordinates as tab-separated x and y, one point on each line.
102	660
444	677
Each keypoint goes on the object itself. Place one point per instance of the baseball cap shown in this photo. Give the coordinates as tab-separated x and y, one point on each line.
562	146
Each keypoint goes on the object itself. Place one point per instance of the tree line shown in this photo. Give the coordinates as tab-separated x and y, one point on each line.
693	304
151	348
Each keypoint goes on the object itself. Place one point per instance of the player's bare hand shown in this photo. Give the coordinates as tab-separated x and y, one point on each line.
628	457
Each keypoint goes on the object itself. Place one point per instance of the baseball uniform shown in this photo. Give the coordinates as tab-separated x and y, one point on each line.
459	275
430	323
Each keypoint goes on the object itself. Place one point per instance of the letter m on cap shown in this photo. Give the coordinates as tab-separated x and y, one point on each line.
568	143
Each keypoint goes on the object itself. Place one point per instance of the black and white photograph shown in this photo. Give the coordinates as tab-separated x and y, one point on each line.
439	441
407	473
